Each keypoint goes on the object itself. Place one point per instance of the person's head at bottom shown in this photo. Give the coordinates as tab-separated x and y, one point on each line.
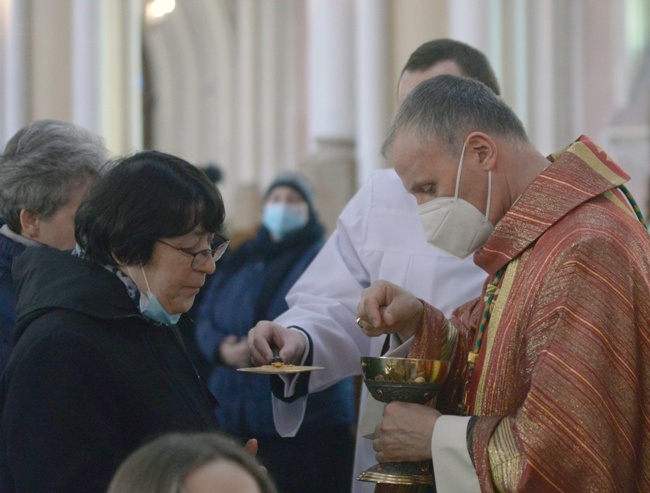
156	218
191	463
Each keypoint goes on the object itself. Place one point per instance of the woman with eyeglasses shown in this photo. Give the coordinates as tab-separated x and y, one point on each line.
98	366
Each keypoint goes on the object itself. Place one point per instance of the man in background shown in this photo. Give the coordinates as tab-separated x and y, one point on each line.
378	236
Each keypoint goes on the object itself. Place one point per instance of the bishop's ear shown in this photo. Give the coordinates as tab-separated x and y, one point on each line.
483	149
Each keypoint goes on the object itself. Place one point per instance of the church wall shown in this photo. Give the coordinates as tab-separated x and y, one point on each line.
238	82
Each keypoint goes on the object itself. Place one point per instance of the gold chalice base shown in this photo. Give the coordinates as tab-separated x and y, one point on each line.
398	473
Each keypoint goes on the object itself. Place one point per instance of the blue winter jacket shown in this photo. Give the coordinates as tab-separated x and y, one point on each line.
249	286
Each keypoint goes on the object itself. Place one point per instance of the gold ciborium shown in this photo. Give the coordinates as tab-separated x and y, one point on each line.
407	380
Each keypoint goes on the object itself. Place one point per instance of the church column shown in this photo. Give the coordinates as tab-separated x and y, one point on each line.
292	89
270	70
247	195
14	83
87	60
125	115
106	70
626	136
331	104
50	60
544	63
373	83
513	75
471	21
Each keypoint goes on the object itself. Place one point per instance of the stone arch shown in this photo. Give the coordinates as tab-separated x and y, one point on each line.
191	57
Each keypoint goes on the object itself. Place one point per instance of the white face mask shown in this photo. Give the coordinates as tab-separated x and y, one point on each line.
454	224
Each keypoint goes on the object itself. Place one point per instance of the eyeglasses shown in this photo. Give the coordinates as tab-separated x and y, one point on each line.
201	257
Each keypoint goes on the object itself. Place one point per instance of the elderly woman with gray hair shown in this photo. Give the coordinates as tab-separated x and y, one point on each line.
46	169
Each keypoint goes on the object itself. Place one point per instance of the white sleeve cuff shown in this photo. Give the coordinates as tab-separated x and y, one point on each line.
288	416
291	380
397	348
452	465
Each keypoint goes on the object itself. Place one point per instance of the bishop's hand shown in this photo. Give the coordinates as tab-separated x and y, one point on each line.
385	308
405	432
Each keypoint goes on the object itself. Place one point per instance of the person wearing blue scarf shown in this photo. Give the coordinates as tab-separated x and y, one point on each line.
99	367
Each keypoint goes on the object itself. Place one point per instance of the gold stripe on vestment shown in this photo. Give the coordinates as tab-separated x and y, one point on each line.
506	461
492	330
583	152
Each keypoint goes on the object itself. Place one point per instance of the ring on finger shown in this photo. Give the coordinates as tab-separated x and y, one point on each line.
359	323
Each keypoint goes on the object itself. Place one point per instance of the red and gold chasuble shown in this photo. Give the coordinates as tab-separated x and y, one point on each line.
561	385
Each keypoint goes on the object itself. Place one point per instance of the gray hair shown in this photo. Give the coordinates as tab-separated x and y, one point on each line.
42	164
448	108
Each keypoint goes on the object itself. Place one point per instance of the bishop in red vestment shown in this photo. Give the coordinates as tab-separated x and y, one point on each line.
550	373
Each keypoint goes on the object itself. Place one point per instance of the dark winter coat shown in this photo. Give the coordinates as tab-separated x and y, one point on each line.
9	250
89	379
249	286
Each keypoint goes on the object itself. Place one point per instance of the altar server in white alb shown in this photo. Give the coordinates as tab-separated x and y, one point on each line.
378	236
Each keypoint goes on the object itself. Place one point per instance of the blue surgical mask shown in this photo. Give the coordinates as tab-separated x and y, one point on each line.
281	219
151	308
